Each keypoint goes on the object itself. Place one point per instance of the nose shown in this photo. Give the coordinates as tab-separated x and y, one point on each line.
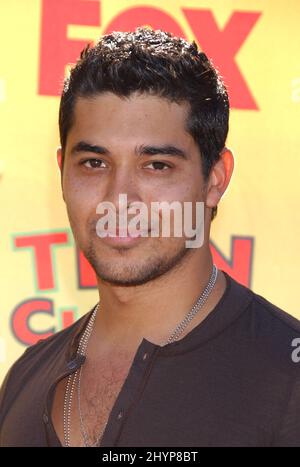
123	188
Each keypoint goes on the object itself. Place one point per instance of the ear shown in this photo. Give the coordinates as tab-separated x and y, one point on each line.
219	178
59	158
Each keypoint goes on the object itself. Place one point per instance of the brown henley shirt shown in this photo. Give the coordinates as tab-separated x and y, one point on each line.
231	381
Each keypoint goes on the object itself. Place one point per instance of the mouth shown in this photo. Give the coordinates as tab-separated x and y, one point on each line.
124	237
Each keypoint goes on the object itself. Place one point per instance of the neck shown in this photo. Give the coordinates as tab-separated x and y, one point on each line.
153	310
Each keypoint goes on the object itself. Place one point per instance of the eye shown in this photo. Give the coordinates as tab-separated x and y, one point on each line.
92	163
159	166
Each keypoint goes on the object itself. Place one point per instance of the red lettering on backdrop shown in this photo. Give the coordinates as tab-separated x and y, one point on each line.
238	266
222	46
85	273
240	262
20	320
41	245
67	318
56	50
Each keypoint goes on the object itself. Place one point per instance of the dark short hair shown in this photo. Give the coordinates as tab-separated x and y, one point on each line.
155	62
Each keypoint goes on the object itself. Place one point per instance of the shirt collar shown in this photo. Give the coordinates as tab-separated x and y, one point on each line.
79	329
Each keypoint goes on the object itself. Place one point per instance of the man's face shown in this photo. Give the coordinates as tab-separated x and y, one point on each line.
125	129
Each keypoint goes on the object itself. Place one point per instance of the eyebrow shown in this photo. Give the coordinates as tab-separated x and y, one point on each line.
149	150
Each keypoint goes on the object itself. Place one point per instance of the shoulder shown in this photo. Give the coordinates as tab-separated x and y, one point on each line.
261	308
280	317
269	334
56	343
273	321
266	336
45	353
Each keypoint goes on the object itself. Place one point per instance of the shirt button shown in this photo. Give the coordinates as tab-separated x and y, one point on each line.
120	415
45	418
145	356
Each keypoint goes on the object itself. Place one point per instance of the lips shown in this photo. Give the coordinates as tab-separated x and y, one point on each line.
117	240
124	234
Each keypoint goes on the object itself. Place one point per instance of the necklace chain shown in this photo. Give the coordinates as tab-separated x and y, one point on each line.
82	348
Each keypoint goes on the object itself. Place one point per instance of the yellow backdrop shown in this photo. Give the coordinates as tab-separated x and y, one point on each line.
45	283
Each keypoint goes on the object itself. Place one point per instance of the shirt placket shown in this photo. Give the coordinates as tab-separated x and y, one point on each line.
130	392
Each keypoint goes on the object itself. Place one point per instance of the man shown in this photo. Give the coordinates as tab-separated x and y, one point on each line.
145	114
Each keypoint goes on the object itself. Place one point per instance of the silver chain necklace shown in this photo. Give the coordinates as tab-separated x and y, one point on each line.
82	348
